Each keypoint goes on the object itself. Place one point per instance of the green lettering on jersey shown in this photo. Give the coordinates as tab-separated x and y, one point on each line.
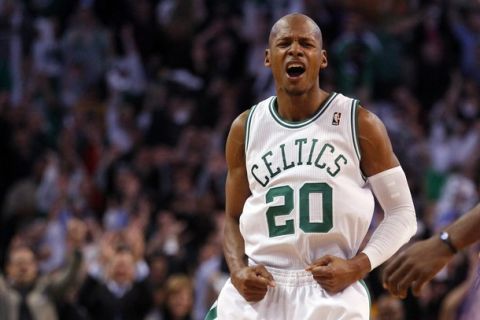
312	148
285	166
275	230
323	160
256	178
327	218
269	164
287	193
300	142
339	158
317	161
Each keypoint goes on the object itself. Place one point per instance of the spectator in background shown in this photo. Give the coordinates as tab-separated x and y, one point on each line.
212	272
466	27
27	296
119	294
354	53
178	20
107	244
146	32
434	49
457	304
45	48
389	308
469	307
126	74
157	279
19	210
256	26
178	298
86	48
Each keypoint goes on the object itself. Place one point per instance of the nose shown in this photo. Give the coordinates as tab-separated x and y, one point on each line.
295	49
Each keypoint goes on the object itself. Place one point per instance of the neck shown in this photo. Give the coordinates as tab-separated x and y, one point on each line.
300	107
23	287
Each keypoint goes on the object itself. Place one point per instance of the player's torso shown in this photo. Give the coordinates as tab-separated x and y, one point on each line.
308	195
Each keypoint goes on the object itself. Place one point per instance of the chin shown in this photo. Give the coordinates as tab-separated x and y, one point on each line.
295	91
24	282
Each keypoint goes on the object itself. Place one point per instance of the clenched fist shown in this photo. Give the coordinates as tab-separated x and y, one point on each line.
253	282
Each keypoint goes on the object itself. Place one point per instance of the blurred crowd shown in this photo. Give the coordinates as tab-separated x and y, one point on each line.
113	119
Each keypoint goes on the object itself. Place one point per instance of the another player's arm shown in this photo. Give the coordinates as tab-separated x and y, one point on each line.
419	263
251	282
464	231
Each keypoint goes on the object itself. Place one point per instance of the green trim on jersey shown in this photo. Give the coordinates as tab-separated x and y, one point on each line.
368	293
354	125
212	313
247	126
354	119
299	124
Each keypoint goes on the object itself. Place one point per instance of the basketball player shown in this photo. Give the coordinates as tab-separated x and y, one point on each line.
298	205
419	263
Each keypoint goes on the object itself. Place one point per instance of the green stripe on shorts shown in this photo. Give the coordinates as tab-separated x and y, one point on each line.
212	313
368	293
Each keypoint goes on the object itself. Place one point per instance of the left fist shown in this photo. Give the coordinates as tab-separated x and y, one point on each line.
334	274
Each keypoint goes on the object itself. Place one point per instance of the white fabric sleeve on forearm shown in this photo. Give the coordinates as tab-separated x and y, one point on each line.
390	187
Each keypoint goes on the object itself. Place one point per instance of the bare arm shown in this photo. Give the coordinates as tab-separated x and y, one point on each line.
464	231
251	282
237	192
419	263
58	286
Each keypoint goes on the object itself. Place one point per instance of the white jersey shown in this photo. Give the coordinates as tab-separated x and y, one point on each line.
309	197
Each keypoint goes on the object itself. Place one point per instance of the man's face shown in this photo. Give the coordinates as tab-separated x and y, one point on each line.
295	55
122	268
180	302
22	267
390	308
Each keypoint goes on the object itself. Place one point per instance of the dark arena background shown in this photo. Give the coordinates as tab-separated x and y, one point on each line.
113	120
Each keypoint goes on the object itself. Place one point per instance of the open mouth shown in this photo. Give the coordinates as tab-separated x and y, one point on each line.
295	70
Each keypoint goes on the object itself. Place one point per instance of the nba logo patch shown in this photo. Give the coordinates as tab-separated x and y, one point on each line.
336	118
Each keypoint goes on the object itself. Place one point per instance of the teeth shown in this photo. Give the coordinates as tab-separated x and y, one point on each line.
295	66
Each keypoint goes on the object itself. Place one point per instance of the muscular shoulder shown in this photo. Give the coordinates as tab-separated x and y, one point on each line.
370	125
238	125
237	129
376	148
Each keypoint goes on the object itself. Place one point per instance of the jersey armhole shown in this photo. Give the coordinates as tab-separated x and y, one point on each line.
247	126
355	139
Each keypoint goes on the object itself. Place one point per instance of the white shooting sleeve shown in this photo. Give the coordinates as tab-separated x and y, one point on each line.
390	187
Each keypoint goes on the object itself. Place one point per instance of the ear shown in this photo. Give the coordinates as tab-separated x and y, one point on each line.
324	60
266	62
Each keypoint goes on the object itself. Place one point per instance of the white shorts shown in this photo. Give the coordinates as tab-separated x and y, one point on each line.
296	296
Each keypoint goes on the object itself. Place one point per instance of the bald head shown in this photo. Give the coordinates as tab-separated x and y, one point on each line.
287	21
296	39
